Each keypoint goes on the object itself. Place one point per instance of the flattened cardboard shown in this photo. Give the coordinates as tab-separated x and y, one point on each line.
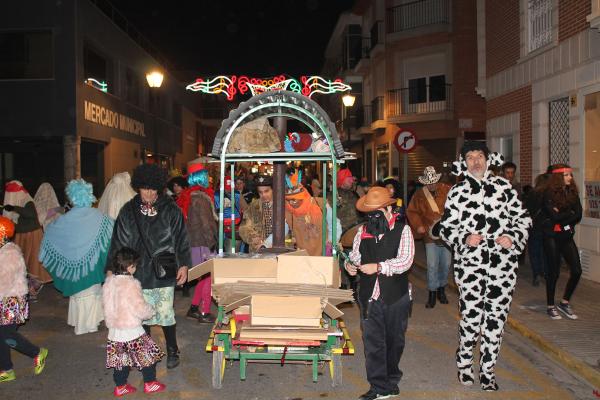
295	334
316	270
225	270
332	311
286	310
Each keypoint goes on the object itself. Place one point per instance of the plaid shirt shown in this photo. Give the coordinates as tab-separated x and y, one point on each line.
267	210
398	265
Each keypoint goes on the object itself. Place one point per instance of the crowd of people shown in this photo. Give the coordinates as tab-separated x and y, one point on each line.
122	260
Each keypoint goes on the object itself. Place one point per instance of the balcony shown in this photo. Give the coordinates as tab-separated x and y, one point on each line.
377	113
417	14
435	102
365	119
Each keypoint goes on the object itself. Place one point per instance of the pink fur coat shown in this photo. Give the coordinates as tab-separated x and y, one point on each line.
13	272
124	305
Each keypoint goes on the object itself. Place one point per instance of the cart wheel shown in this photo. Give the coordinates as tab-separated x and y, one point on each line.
218	366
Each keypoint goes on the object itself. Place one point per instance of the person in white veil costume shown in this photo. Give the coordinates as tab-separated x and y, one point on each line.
117	192
46	204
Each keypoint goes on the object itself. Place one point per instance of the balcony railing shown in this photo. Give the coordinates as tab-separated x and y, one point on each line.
376	34
377	109
365	118
355	49
417	14
405	101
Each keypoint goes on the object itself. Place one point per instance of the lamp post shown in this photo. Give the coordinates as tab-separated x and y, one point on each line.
155	80
348	101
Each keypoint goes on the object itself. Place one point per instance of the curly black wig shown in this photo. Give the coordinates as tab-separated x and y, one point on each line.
149	176
474	145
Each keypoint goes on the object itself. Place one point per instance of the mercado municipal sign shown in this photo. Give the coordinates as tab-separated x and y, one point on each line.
112	119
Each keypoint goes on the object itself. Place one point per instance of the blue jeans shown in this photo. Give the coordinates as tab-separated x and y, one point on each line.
438	265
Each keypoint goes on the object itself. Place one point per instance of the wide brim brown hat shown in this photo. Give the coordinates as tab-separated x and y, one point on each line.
375	198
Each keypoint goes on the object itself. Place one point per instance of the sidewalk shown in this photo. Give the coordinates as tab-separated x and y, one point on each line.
575	344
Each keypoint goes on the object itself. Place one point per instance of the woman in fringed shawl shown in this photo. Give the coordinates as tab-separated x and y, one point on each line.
47	205
74	251
20	208
304	216
118	191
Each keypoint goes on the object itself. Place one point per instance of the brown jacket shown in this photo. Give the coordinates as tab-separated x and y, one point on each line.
419	212
202	220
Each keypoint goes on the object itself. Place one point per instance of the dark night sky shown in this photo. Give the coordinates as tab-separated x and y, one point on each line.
254	37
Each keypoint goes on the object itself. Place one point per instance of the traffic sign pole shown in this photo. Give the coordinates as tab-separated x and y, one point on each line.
405	142
404	180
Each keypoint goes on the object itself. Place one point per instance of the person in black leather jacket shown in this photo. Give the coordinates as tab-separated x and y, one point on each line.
157	217
562	210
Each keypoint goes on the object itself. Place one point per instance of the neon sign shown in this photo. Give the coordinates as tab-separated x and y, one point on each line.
96	84
232	85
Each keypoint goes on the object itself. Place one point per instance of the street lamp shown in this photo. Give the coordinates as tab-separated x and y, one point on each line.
348	100
155	79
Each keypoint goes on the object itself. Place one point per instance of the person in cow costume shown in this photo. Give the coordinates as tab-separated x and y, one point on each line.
486	225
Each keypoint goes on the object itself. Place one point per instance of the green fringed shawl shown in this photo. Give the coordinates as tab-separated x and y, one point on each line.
75	247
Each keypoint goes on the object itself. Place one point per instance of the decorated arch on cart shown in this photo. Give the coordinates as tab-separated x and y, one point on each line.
246	135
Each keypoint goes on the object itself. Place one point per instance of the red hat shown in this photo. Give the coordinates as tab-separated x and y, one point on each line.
195	168
7	228
342	175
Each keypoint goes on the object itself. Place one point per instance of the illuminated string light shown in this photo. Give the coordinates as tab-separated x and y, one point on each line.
96	84
231	85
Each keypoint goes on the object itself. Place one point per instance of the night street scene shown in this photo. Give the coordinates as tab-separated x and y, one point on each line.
301	199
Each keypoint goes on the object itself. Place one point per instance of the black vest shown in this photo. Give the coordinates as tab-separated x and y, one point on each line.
392	288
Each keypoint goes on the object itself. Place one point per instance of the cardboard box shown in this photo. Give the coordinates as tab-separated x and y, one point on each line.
316	270
286	310
229	269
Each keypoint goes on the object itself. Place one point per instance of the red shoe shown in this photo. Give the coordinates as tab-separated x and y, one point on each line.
154	387
121	391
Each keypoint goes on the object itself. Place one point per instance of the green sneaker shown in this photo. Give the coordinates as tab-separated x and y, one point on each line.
39	362
7	376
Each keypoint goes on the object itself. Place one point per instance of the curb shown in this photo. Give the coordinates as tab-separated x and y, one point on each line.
563	358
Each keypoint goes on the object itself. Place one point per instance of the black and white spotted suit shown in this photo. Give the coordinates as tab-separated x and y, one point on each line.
485	274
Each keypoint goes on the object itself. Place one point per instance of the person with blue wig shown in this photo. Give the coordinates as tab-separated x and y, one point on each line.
201	224
74	250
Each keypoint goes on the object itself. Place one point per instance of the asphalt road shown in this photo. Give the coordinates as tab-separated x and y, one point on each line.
75	367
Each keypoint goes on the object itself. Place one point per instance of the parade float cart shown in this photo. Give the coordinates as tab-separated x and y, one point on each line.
278	307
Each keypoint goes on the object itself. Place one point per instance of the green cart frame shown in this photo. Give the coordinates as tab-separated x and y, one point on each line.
223	342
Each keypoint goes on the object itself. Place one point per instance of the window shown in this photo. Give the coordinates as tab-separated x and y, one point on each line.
559	131
132	87
540	23
591	190
437	88
97	67
417	90
176	114
506	148
26	55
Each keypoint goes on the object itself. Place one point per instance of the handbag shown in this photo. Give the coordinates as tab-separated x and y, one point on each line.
163	263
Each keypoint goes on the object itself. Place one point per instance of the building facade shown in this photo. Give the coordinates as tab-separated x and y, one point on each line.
539	70
75	99
417	63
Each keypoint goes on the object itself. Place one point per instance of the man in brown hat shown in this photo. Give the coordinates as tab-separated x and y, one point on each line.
382	254
425	208
257	225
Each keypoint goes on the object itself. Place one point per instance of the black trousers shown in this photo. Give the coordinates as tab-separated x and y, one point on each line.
11	339
555	247
383	329
120	375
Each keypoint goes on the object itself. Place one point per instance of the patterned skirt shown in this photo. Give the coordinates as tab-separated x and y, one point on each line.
14	310
138	353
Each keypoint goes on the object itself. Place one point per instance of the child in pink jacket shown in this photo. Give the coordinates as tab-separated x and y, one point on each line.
128	344
14	307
